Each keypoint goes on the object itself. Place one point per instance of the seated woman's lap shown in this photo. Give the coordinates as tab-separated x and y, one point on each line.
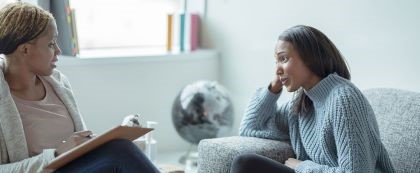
254	163
115	156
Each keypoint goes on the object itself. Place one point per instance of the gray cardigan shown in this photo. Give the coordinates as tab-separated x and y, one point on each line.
14	155
340	135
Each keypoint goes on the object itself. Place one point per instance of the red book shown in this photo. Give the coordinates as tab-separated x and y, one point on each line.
194	37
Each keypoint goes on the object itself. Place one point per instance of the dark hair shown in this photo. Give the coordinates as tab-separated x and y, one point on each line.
319	54
21	22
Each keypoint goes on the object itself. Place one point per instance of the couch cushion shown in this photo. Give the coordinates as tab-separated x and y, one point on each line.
398	116
216	155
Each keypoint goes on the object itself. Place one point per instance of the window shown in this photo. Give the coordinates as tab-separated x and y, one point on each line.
132	24
4	2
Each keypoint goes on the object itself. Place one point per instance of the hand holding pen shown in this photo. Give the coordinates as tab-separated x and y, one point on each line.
74	140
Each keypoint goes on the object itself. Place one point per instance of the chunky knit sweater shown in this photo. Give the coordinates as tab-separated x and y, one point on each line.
339	135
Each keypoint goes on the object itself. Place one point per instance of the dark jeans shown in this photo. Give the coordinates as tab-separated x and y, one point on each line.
119	155
253	163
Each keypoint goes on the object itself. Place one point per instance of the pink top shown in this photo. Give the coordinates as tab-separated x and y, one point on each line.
46	123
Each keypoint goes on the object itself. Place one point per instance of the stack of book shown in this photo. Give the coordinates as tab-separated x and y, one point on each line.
183	32
66	24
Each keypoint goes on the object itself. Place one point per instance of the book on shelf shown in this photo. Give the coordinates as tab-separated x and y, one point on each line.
74	38
66	25
169	32
183	32
194	31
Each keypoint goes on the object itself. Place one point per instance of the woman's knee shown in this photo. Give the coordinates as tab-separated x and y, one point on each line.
245	159
119	148
119	144
244	162
254	163
115	154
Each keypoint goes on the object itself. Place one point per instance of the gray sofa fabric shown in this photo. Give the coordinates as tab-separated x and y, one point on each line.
398	115
216	155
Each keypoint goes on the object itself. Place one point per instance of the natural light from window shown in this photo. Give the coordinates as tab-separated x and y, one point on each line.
4	2
129	24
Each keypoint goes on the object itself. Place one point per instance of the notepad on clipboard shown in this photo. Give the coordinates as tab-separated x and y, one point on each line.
119	132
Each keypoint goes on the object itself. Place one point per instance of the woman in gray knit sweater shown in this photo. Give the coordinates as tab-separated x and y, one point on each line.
331	125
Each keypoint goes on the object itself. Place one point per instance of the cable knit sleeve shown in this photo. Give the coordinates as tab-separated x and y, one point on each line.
263	119
355	136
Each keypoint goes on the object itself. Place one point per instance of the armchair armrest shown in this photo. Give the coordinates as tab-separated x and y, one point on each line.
216	155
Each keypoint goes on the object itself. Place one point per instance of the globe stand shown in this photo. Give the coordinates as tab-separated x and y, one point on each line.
191	157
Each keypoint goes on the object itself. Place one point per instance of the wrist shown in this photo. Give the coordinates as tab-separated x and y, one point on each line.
275	90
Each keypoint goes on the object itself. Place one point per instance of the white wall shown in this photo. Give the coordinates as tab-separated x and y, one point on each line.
109	89
379	38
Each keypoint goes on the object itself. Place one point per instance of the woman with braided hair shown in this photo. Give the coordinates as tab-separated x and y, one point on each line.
39	118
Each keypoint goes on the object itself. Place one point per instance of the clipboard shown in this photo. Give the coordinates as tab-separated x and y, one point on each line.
119	132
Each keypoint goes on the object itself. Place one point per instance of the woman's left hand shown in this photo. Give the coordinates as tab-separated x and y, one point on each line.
292	163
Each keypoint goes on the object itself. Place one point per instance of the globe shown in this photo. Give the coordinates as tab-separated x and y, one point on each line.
202	110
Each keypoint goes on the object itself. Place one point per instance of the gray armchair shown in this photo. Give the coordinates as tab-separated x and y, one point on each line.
398	116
